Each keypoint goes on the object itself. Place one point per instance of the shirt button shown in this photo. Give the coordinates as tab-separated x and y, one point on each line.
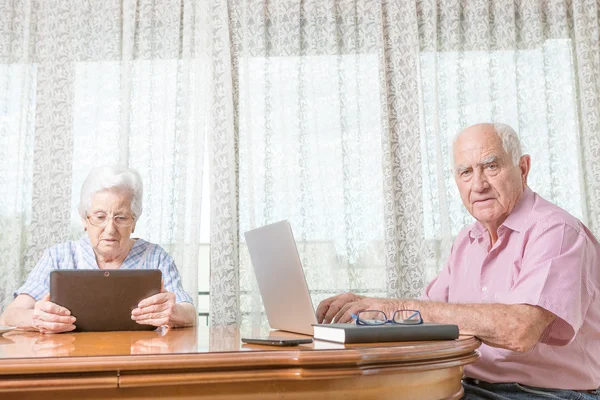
484	289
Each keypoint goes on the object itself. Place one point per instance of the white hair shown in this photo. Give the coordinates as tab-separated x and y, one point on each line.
508	136
112	177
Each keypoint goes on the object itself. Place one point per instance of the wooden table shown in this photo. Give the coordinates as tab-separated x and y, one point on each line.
214	364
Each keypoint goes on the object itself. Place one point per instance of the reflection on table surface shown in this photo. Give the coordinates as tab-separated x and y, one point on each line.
18	344
25	344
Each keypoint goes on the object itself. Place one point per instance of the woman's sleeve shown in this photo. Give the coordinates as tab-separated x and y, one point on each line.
172	279
37	284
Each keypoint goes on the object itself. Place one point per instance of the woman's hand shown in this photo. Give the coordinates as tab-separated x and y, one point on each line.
49	317
157	310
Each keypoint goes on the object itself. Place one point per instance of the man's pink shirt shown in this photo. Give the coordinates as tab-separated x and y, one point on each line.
545	257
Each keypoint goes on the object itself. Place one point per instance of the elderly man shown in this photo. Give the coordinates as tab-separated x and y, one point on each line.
524	279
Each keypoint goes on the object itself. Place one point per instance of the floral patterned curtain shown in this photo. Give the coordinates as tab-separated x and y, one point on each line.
335	115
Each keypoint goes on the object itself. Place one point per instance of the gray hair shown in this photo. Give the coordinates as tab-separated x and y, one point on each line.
508	136
112	177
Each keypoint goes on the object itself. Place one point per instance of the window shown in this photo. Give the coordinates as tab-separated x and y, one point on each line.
204	253
533	90
17	138
310	152
154	139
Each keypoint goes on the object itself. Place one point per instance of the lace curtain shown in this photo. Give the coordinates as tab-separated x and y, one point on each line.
338	116
86	83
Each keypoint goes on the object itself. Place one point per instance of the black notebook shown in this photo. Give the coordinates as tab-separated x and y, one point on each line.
352	333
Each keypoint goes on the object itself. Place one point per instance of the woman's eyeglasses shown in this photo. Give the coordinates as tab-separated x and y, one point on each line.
101	220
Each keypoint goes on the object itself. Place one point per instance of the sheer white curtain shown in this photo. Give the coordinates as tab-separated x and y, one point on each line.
335	115
85	83
340	116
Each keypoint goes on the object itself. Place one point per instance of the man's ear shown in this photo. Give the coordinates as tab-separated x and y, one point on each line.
525	167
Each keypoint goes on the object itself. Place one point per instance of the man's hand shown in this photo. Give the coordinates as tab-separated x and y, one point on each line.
51	318
339	309
329	308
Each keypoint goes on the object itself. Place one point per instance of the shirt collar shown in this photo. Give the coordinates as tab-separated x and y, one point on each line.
515	219
90	257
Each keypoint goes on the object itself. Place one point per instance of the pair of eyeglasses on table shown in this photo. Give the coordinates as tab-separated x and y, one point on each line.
376	317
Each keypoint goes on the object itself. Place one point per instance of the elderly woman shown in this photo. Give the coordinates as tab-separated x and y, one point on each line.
110	205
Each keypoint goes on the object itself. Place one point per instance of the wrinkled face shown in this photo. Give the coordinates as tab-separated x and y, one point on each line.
109	241
490	185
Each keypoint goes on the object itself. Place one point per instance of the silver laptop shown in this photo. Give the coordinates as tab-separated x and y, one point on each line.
281	278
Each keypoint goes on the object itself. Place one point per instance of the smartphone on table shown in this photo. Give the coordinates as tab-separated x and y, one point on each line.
277	341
